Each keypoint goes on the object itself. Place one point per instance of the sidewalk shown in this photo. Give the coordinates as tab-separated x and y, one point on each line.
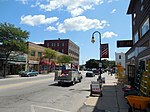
111	101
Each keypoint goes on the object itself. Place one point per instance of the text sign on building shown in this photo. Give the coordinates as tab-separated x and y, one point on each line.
125	43
104	51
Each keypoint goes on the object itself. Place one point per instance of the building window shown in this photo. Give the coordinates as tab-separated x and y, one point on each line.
141	1
134	15
47	44
54	44
145	27
62	50
63	44
142	7
119	56
133	22
39	54
51	44
136	37
57	44
32	53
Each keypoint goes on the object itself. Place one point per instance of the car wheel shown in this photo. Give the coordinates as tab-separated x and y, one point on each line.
80	80
73	82
101	94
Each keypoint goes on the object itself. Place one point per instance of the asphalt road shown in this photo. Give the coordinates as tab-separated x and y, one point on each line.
42	94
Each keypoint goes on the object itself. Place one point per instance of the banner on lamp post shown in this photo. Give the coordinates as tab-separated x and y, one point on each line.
104	51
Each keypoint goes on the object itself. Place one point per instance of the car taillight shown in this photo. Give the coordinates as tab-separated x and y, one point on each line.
61	75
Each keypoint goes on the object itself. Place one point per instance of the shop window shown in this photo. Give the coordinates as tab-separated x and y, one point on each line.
32	53
145	27
39	54
119	56
142	65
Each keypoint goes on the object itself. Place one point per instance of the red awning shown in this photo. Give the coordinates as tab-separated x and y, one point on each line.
43	62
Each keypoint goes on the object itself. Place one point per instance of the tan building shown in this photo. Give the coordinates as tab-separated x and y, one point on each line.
35	60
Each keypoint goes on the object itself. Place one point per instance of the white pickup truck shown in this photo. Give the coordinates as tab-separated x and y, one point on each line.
70	76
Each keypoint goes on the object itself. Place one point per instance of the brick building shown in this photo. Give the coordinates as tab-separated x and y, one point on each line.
64	46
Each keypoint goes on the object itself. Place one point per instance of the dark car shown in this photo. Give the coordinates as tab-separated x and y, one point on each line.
103	79
90	74
96	72
28	73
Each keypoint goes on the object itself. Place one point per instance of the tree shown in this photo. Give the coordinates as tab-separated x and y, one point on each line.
12	40
64	59
92	63
50	54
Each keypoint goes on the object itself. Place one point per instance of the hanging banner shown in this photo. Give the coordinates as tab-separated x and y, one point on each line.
104	51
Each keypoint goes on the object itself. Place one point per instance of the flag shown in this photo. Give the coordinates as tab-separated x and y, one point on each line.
104	51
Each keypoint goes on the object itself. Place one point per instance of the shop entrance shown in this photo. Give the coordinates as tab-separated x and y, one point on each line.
131	74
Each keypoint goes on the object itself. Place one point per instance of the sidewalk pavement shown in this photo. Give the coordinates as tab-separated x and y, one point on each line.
111	101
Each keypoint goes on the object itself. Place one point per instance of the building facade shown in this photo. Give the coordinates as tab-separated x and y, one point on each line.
64	46
138	56
120	59
35	59
16	62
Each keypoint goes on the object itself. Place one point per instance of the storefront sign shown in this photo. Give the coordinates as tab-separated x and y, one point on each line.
125	43
33	62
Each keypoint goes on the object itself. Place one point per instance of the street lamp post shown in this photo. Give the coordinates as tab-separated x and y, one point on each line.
93	40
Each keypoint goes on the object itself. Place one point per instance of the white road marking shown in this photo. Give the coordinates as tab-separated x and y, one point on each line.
59	110
32	108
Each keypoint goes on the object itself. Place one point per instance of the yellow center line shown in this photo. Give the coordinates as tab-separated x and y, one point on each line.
23	83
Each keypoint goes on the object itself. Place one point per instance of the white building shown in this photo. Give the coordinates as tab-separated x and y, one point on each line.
120	58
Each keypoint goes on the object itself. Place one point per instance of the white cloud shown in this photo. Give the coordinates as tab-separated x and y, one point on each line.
109	35
50	28
113	11
80	23
37	20
23	1
110	1
38	42
74	7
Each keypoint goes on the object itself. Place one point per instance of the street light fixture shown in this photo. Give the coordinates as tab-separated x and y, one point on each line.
93	40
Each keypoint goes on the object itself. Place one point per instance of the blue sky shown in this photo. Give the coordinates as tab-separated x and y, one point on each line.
72	19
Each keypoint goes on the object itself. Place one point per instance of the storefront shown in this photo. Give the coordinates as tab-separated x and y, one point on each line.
138	66
33	65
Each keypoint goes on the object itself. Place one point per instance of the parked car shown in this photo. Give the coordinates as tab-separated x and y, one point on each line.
90	74
28	73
